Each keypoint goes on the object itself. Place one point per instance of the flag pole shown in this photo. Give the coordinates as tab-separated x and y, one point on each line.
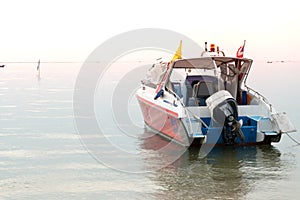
160	89
240	54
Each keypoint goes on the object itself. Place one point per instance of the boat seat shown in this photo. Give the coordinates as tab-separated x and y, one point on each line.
203	90
192	86
192	101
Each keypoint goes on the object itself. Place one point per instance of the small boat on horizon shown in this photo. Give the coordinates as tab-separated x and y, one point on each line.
206	100
38	69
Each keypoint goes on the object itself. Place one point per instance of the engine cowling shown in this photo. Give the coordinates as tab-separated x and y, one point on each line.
224	111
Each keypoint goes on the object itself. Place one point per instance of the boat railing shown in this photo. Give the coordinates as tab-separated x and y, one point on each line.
259	96
148	83
217	53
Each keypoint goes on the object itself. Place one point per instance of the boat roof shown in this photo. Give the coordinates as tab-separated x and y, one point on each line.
206	62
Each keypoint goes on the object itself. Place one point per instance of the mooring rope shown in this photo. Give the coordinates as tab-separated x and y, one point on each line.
298	143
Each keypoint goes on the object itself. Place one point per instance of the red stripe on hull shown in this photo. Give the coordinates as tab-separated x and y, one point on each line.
174	114
161	119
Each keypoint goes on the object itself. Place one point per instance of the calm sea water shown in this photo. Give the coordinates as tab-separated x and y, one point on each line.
42	155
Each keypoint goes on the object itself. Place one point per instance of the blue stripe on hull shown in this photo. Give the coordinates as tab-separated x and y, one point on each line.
214	134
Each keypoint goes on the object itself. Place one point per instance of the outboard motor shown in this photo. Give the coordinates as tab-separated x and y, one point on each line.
224	111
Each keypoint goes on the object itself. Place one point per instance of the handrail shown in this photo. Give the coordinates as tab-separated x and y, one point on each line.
255	93
204	52
260	96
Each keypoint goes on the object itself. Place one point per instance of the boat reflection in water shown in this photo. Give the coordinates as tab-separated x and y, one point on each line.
230	172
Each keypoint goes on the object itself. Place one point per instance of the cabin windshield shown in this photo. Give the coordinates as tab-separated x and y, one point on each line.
155	74
194	80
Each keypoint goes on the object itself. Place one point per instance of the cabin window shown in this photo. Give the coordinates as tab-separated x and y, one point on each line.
177	89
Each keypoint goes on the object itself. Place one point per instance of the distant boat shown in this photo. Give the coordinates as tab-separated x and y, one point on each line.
205	100
38	68
269	62
2	65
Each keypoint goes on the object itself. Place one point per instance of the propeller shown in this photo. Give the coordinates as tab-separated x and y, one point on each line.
237	128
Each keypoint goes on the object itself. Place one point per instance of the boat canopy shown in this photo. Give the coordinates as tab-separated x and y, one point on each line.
198	63
207	62
207	75
227	66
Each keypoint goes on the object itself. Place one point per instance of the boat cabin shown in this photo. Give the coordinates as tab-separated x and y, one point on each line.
194	80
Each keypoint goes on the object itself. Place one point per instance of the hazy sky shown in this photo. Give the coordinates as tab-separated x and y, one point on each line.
59	30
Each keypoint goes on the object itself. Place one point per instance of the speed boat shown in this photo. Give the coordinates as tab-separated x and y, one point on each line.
205	100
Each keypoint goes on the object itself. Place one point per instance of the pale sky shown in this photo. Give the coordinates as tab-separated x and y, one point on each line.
60	30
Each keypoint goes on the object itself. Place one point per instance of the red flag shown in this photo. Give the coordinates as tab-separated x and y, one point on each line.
240	52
